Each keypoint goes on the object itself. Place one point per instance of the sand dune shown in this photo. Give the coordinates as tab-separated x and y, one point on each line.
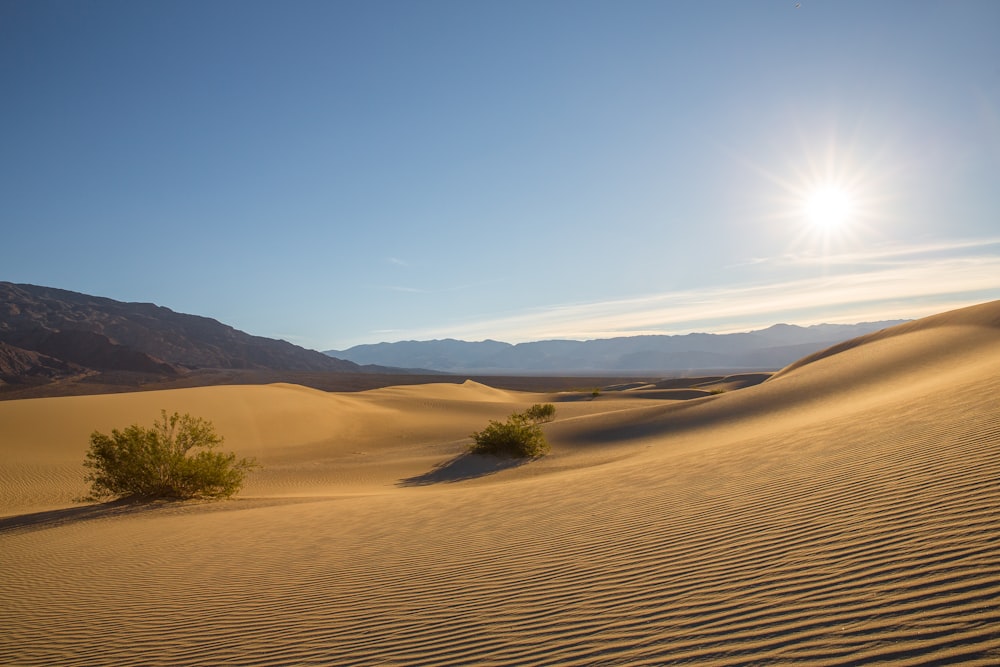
845	511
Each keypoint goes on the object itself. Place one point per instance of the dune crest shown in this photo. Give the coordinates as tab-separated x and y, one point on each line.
984	316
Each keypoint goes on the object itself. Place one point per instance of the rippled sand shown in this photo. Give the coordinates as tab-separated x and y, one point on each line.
846	511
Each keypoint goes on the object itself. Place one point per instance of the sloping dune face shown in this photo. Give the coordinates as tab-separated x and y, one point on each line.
846	511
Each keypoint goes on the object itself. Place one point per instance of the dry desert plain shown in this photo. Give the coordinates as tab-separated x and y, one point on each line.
846	511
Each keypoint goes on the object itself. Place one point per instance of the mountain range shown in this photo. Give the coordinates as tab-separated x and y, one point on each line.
765	349
67	342
49	334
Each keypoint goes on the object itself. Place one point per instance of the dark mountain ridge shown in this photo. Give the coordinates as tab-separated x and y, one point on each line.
48	333
770	348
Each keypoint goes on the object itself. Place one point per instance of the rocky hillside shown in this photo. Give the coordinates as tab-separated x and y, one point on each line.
48	333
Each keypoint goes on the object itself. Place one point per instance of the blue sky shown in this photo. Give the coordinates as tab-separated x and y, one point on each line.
335	173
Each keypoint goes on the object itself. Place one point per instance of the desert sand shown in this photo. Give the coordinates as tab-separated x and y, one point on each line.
845	511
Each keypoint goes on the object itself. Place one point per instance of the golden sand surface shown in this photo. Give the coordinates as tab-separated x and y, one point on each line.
846	511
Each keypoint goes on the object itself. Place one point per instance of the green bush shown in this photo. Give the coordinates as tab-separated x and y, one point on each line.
518	437
155	462
540	412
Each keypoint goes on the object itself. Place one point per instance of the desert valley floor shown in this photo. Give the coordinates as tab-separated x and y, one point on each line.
844	512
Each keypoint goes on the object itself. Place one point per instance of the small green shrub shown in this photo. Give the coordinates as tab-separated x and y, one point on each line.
540	412
155	462
518	437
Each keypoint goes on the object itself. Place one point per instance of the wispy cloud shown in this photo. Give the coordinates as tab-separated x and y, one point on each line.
886	283
439	290
884	255
401	288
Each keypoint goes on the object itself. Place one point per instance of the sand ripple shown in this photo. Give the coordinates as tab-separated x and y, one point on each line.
866	532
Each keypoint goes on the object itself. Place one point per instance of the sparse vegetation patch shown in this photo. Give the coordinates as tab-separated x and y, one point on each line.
540	412
520	436
158	462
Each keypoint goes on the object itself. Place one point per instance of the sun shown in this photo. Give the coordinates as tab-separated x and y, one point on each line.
829	196
828	207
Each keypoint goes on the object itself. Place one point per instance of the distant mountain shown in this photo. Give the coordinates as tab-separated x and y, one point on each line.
48	333
769	348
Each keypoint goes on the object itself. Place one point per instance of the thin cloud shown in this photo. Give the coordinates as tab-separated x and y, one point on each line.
881	255
440	290
400	288
885	288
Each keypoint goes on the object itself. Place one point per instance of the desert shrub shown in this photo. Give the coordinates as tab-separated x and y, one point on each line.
157	462
540	412
518	437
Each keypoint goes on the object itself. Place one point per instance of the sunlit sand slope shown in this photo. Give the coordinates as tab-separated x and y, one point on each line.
309	442
846	511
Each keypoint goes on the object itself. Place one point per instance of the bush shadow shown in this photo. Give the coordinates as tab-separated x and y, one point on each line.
71	515
462	467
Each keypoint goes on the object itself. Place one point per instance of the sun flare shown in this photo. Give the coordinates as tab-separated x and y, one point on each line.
828	207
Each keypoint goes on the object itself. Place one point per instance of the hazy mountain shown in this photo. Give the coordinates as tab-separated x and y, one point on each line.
769	348
47	333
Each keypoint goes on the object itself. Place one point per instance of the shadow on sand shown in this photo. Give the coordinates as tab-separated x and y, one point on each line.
462	467
70	515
